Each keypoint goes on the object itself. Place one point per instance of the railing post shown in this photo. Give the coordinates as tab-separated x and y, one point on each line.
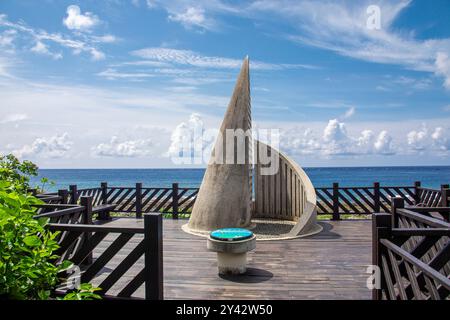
417	185
153	238
336	214
174	200
64	194
381	229
445	193
86	202
104	187
376	196
138	200
396	203
73	193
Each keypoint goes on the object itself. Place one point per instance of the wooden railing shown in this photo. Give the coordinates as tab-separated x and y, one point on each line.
337	200
148	272
282	195
80	238
139	199
412	251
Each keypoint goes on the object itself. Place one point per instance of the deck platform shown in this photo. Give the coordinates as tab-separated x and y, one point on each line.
329	265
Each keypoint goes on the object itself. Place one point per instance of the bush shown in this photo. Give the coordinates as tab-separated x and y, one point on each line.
26	247
27	251
17	173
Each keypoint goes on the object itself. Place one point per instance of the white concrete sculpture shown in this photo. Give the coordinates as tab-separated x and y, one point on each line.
225	196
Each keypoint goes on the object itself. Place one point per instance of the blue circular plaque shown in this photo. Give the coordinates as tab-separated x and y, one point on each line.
231	234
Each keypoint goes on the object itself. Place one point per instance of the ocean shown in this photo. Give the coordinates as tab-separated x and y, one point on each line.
430	176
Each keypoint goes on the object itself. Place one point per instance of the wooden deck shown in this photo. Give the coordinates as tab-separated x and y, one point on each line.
330	265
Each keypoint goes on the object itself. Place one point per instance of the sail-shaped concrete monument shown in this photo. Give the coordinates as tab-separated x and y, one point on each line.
225	195
282	198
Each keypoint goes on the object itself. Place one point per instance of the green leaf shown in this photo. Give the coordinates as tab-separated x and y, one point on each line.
32	241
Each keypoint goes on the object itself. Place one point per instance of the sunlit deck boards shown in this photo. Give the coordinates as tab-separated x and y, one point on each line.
330	265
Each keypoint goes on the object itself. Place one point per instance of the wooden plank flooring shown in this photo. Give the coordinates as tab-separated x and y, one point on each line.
330	265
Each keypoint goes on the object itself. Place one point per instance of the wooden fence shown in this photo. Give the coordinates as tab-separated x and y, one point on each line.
412	251
139	199
334	201
337	200
79	237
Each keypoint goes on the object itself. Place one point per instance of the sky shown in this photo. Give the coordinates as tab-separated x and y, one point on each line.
117	83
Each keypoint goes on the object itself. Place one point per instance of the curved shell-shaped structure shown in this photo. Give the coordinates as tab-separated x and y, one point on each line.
286	195
225	198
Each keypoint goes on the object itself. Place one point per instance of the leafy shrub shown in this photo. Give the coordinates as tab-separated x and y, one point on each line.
17	173
27	251
26	248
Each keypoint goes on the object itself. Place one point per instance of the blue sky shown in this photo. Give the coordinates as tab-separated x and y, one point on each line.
115	83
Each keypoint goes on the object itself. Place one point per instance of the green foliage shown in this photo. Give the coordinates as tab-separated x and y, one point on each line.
17	173
27	251
26	248
85	292
45	181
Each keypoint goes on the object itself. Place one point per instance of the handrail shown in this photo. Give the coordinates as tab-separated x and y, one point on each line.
430	221
60	213
425	268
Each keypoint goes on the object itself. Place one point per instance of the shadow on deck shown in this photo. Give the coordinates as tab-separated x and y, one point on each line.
329	265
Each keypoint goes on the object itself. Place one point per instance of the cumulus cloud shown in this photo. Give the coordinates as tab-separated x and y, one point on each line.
189	140
383	144
127	148
76	20
54	147
418	139
441	138
336	141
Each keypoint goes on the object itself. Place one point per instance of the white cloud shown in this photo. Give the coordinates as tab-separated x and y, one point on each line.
418	139
186	136
76	20
383	144
14	117
191	58
7	38
336	141
128	148
54	147
349	113
192	17
113	74
77	42
342	27
441	139
41	48
443	68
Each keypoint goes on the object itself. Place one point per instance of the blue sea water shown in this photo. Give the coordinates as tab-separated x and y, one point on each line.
430	176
